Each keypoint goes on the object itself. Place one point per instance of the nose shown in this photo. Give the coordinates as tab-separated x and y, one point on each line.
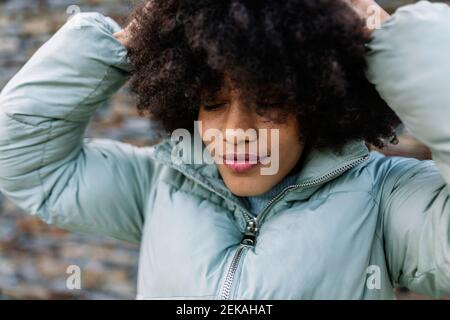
239	124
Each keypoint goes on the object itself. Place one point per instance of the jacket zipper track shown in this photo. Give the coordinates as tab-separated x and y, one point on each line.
253	223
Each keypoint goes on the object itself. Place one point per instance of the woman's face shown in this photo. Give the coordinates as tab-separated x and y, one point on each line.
252	152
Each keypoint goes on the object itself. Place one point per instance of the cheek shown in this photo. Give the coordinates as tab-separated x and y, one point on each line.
288	133
206	122
209	130
290	144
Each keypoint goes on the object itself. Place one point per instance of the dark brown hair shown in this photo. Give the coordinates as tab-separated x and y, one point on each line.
313	51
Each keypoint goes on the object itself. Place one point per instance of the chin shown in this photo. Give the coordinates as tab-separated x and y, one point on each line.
246	187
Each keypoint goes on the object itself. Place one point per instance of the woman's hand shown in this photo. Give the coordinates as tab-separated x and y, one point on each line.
124	36
370	11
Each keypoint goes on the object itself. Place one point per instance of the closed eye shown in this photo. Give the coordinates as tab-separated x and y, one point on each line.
213	106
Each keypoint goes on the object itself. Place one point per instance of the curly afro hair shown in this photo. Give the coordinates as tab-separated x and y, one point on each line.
310	52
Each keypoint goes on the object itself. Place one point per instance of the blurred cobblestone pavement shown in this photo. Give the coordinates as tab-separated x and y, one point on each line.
33	256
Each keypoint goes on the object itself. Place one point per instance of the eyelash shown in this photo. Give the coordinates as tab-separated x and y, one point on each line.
211	107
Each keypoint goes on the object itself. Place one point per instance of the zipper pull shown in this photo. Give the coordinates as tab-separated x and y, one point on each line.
251	231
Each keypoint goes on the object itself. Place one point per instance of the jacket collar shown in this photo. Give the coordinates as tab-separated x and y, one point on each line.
318	167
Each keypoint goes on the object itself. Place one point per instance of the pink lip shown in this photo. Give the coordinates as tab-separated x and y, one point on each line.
241	163
240	167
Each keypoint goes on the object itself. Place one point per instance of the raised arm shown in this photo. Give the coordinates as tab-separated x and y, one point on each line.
409	63
47	167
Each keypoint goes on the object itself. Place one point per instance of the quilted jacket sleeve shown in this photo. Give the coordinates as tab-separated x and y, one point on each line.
47	167
409	62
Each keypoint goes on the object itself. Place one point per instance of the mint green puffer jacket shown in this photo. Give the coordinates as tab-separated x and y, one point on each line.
354	224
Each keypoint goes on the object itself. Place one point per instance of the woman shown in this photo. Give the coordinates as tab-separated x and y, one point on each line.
334	220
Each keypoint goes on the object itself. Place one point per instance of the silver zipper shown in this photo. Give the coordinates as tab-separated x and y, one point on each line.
226	289
254	223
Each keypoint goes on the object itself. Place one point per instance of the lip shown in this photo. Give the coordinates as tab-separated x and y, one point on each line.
241	163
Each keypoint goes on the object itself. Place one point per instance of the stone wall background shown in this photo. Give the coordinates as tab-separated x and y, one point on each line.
33	256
